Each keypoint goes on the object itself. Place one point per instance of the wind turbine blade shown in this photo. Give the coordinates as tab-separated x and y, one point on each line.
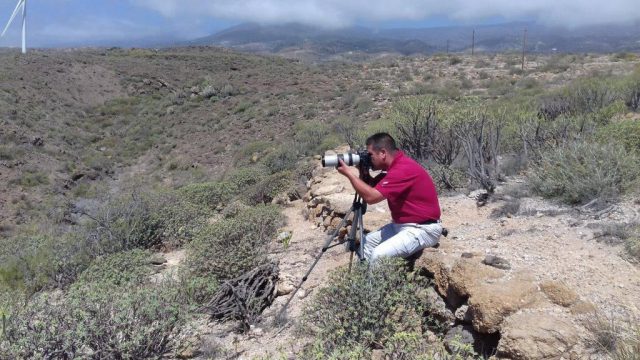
15	12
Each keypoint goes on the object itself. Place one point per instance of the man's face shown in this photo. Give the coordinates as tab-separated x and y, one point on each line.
377	158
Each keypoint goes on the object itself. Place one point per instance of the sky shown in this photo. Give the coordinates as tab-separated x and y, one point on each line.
103	22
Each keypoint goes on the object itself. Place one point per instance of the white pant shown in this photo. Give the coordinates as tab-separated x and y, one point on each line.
400	240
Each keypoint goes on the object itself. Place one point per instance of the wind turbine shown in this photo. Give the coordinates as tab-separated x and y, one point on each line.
22	4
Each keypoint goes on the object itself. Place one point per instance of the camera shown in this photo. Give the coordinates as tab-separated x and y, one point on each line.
360	158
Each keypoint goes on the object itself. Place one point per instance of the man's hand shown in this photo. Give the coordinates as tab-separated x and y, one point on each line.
343	168
369	194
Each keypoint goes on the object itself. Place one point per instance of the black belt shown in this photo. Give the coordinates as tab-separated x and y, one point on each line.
427	222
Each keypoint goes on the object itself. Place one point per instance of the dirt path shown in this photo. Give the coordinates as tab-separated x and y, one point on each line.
268	340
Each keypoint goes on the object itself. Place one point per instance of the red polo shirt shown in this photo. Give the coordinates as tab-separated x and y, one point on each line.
410	191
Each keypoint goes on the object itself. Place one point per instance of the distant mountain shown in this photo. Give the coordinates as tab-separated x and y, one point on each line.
322	44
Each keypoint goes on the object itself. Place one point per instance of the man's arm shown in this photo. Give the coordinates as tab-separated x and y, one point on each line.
369	194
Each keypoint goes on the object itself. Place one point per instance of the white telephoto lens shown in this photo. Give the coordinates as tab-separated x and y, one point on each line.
348	158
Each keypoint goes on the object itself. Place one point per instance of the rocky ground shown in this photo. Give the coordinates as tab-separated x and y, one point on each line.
555	271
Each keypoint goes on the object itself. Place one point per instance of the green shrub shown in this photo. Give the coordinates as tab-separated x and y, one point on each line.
281	159
125	223
212	195
178	218
580	172
31	179
632	243
455	60
242	178
232	246
268	188
626	132
365	307
120	269
10	152
308	137
557	64
448	177
94	321
27	263
143	221
250	152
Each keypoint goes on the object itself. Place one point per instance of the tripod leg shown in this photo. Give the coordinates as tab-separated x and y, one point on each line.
357	218
361	234
324	249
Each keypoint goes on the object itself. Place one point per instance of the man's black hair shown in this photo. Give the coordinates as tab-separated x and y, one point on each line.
382	140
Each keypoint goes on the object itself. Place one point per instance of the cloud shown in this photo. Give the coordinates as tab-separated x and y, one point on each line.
336	13
94	29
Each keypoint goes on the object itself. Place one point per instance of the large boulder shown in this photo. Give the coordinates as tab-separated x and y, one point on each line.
536	335
491	303
467	278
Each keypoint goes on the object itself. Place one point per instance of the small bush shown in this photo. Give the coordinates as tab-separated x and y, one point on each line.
268	188
94	321
250	152
212	195
242	178
234	245
31	179
628	349
364	308
626	132
281	159
125	268
632	245
10	152
620	339
581	172
448	177
454	60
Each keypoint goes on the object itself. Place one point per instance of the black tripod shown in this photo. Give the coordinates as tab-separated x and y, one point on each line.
358	208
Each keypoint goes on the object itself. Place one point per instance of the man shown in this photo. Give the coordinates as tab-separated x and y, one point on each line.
411	196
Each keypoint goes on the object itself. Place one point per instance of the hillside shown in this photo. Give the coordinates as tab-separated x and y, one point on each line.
316	44
139	185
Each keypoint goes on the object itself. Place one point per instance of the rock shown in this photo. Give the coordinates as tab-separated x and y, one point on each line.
189	348
463	314
459	335
326	190
467	255
284	288
467	275
558	293
340	203
436	266
335	222
157	259
496	262
377	354
490	304
256	331
537	336
436	306
318	210
327	222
